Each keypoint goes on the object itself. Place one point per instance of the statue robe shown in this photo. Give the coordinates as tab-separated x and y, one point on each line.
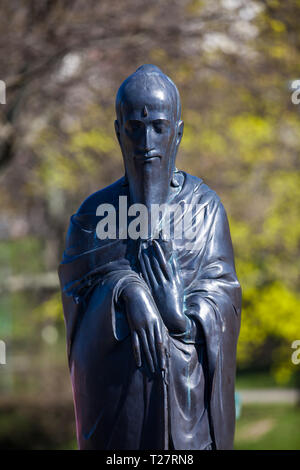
117	405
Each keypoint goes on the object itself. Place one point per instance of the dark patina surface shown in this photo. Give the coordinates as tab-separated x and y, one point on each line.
152	323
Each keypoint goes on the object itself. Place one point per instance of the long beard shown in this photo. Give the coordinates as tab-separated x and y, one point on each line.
151	186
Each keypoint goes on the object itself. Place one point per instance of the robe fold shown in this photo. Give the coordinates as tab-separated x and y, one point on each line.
117	405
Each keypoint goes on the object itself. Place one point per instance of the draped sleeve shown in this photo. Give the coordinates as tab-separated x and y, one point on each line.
213	302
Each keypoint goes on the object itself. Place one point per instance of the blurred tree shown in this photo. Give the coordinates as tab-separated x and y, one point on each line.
233	61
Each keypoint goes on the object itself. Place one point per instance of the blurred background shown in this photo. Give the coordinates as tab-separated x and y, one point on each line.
234	62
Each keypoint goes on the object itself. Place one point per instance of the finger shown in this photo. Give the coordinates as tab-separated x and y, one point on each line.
136	349
151	343
166	346
175	267
160	348
144	341
156	268
162	259
144	270
148	268
167	247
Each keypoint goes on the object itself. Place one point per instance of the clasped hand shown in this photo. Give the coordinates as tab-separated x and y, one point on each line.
150	316
161	272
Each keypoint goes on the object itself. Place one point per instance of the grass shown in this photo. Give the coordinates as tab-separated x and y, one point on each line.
268	427
254	380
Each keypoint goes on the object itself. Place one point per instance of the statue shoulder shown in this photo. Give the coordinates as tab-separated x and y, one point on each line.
200	189
110	194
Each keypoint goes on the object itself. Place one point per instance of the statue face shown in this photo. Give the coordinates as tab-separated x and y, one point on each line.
148	128
149	135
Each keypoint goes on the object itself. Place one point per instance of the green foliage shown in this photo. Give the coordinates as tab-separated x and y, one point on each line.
50	310
270	312
269	275
21	256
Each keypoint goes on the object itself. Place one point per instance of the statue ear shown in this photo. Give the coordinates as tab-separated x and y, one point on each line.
179	132
117	129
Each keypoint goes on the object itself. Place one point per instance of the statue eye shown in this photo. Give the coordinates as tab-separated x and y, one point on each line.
160	126
134	126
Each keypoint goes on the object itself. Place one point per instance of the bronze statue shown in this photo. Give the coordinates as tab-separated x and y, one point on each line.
151	301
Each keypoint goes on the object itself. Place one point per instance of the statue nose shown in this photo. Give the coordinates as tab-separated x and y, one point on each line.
148	145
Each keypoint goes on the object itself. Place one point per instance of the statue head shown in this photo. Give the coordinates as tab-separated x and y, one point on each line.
149	131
